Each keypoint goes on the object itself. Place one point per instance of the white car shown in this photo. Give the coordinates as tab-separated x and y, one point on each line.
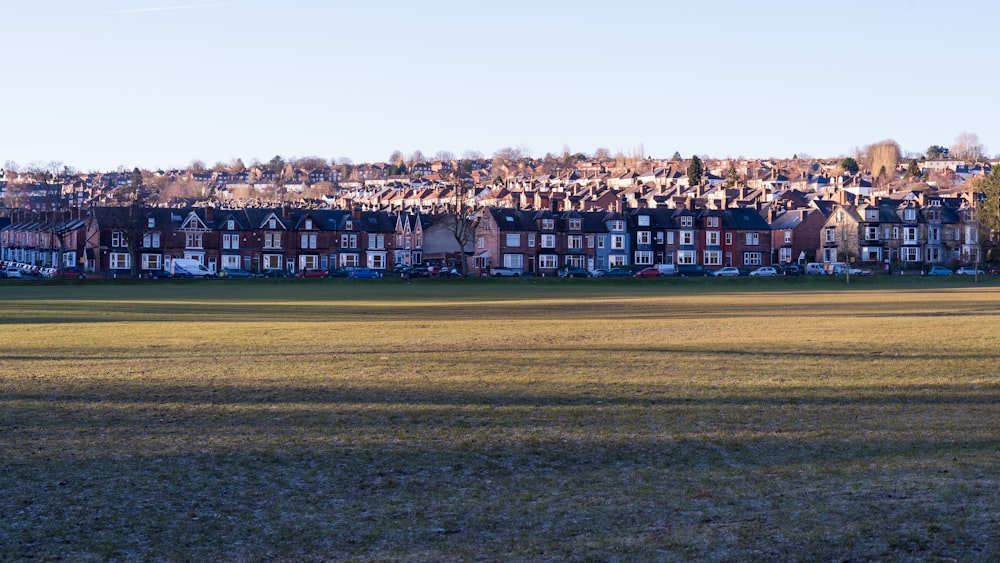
764	271
11	273
969	272
727	272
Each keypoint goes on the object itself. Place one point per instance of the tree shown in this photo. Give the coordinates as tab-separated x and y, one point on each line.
968	147
694	171
276	164
444	156
935	152
882	158
987	209
602	154
129	216
676	157
52	208
461	212
849	165
732	176
913	170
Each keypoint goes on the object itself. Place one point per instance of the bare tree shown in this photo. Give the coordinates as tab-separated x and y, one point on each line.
128	216
461	212
968	147
602	153
444	156
472	155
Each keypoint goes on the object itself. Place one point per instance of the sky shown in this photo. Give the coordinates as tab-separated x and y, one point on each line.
103	84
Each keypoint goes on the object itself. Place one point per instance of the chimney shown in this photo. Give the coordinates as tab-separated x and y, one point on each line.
690	203
286	212
209	214
356	213
803	213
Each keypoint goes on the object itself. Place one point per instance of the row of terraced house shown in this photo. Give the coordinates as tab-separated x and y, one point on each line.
910	231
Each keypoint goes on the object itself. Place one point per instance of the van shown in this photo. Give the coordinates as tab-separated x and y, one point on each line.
836	268
667	269
815	269
187	268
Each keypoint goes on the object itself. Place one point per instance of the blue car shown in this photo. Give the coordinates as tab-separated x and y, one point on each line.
939	271
363	273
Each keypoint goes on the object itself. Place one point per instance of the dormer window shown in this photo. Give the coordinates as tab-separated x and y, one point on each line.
713	222
272	223
548	223
231	225
910	214
575	224
150	223
642	220
871	214
309	224
687	221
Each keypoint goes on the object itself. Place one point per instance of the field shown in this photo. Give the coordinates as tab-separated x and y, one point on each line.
500	420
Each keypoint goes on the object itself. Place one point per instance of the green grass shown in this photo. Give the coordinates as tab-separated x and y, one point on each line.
501	420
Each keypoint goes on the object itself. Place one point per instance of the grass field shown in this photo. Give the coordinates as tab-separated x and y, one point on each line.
500	420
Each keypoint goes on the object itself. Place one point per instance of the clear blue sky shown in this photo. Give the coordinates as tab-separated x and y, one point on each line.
98	84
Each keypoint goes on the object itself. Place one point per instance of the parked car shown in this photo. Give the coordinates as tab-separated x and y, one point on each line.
693	271
236	274
10	273
969	271
339	273
650	272
617	273
362	272
995	270
312	273
815	269
72	273
859	271
505	272
939	271
276	273
727	272
792	270
764	272
571	272
599	272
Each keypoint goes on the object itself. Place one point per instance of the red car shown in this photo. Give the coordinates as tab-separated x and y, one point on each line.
313	274
651	272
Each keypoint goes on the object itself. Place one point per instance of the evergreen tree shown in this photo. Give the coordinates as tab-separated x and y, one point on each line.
988	214
694	171
849	165
913	170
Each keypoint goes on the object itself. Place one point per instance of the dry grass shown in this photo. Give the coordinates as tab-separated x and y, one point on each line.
498	421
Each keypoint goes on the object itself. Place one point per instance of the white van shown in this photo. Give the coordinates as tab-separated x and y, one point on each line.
667	269
815	269
187	268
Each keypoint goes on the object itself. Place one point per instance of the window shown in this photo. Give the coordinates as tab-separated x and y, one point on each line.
574	224
659	237
308	262
751	258
729	238
348	240
230	242
685	257
590	241
548	241
871	233
513	239
576	261
687	221
713	222
150	223
601	241
910	254
513	261
644	258
376	261
118	239
192	240
574	242
687	238
909	214
230	225
272	261
753	239
376	242
272	240
830	234
933	254
308	240
531	240
617	225
909	235
548	261
618	242
272	223
119	261
309	224
548	224
712	237
643	237
713	258
642	220
871	253
348	260
152	262
871	214
480	242
151	240
785	254
670	237
617	260
231	261
934	234
788	236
